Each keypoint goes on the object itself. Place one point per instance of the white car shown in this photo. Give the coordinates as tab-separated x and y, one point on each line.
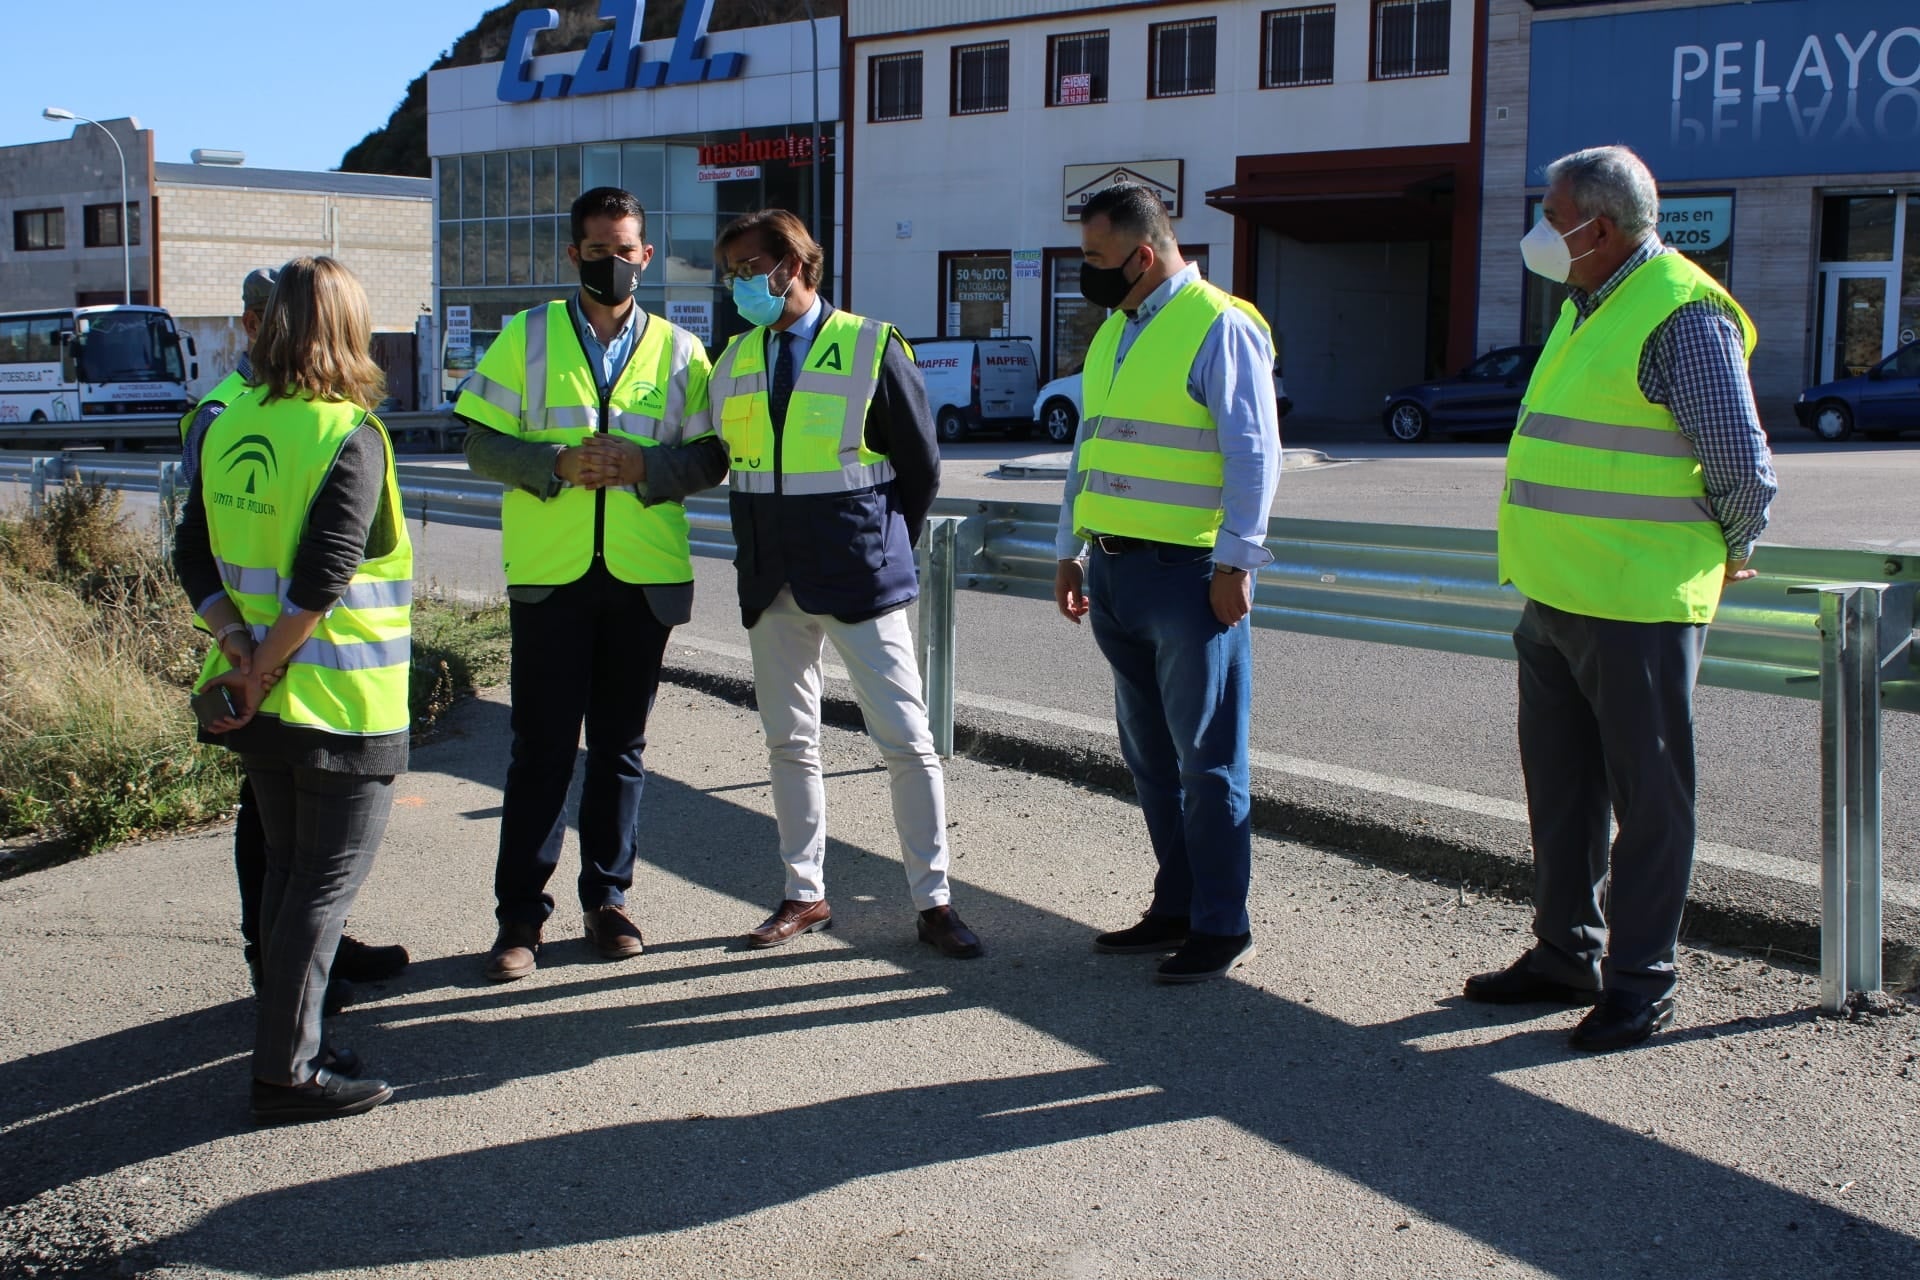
1057	407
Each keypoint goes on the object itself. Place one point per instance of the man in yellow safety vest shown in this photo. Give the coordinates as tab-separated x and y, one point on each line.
593	413
1637	482
1162	528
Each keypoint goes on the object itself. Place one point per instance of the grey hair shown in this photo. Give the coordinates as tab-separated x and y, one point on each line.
1610	182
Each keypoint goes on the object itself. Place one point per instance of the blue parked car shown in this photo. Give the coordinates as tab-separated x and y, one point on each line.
1483	396
1881	403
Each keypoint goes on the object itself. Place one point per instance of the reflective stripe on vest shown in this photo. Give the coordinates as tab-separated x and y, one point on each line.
1156	471
1607	506
1605	511
823	440
536	383
264	464
358	595
1652	442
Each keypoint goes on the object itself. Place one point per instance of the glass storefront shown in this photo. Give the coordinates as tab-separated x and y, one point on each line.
1868	299
503	222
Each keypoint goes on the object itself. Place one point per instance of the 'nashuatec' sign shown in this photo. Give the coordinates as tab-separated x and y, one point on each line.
1083	181
1766	89
611	62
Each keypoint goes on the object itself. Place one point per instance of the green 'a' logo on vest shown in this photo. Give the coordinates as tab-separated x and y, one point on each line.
830	359
254	453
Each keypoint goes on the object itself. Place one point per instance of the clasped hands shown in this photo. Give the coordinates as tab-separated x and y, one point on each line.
602	462
245	686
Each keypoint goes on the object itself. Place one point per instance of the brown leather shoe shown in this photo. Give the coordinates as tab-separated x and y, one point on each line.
942	927
514	952
791	920
613	933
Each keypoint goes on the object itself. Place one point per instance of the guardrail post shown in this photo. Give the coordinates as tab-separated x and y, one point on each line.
168	491
1866	631
40	471
938	629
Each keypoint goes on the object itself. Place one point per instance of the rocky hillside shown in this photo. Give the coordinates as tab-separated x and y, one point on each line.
400	146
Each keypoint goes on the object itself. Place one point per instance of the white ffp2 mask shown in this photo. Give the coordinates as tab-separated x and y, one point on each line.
1545	251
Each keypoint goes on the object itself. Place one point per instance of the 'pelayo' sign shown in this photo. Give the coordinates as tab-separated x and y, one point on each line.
1766	89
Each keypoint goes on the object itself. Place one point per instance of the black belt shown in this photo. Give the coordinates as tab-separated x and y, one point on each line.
1115	545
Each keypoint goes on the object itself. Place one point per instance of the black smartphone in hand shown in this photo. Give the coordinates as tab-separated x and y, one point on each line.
213	703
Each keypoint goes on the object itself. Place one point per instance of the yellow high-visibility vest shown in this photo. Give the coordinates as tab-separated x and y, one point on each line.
1604	511
1150	464
535	383
261	466
823	445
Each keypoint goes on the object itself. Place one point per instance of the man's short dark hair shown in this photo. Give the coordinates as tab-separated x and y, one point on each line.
1132	209
606	202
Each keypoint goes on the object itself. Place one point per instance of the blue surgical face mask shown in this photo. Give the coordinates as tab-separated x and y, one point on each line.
756	301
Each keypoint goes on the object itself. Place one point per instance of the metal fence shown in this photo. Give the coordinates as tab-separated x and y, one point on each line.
1832	625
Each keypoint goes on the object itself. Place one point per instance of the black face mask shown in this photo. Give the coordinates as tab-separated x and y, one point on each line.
1106	286
609	281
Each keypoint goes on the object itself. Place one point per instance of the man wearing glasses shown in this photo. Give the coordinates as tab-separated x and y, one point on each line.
834	467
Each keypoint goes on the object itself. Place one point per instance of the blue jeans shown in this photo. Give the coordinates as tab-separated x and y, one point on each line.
1183	698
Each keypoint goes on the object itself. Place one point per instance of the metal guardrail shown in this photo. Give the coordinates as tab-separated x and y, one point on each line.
434	426
1832	625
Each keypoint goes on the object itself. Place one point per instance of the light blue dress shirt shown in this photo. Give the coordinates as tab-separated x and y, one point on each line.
610	358
1232	376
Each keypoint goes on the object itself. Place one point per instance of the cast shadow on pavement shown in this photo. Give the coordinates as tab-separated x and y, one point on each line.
1439	1130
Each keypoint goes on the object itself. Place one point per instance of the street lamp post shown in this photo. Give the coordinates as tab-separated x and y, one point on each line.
126	240
813	25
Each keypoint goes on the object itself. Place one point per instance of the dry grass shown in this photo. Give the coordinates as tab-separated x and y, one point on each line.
98	653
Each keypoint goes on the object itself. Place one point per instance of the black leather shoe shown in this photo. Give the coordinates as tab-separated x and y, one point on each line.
942	928
1153	933
1519	984
357	962
327	1096
1205	956
1620	1020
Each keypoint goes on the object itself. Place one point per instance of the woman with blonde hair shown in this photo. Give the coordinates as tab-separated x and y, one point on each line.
294	551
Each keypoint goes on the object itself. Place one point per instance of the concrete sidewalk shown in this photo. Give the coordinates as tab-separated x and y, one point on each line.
853	1105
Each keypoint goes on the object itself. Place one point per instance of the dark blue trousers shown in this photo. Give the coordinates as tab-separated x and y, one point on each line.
588	653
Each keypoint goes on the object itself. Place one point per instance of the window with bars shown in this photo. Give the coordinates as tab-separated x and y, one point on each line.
893	87
1182	61
1077	69
979	78
1296	47
1411	38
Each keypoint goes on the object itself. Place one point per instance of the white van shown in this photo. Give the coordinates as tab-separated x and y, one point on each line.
979	384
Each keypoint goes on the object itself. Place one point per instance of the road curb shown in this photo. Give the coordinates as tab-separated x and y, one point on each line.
1724	907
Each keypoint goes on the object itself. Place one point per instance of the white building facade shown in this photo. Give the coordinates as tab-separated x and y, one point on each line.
1320	160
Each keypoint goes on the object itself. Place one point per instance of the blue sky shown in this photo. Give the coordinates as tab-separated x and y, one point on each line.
293	83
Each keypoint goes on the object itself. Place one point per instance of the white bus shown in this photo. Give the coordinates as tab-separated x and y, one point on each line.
86	366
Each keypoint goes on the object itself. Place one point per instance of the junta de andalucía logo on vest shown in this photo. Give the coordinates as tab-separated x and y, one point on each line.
251	460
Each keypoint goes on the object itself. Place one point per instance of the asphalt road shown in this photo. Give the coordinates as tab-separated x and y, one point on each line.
1374	721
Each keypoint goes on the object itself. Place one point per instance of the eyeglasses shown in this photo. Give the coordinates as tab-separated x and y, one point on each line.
731	274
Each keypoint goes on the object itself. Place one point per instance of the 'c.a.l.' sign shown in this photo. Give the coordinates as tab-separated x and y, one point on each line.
612	58
1734	90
